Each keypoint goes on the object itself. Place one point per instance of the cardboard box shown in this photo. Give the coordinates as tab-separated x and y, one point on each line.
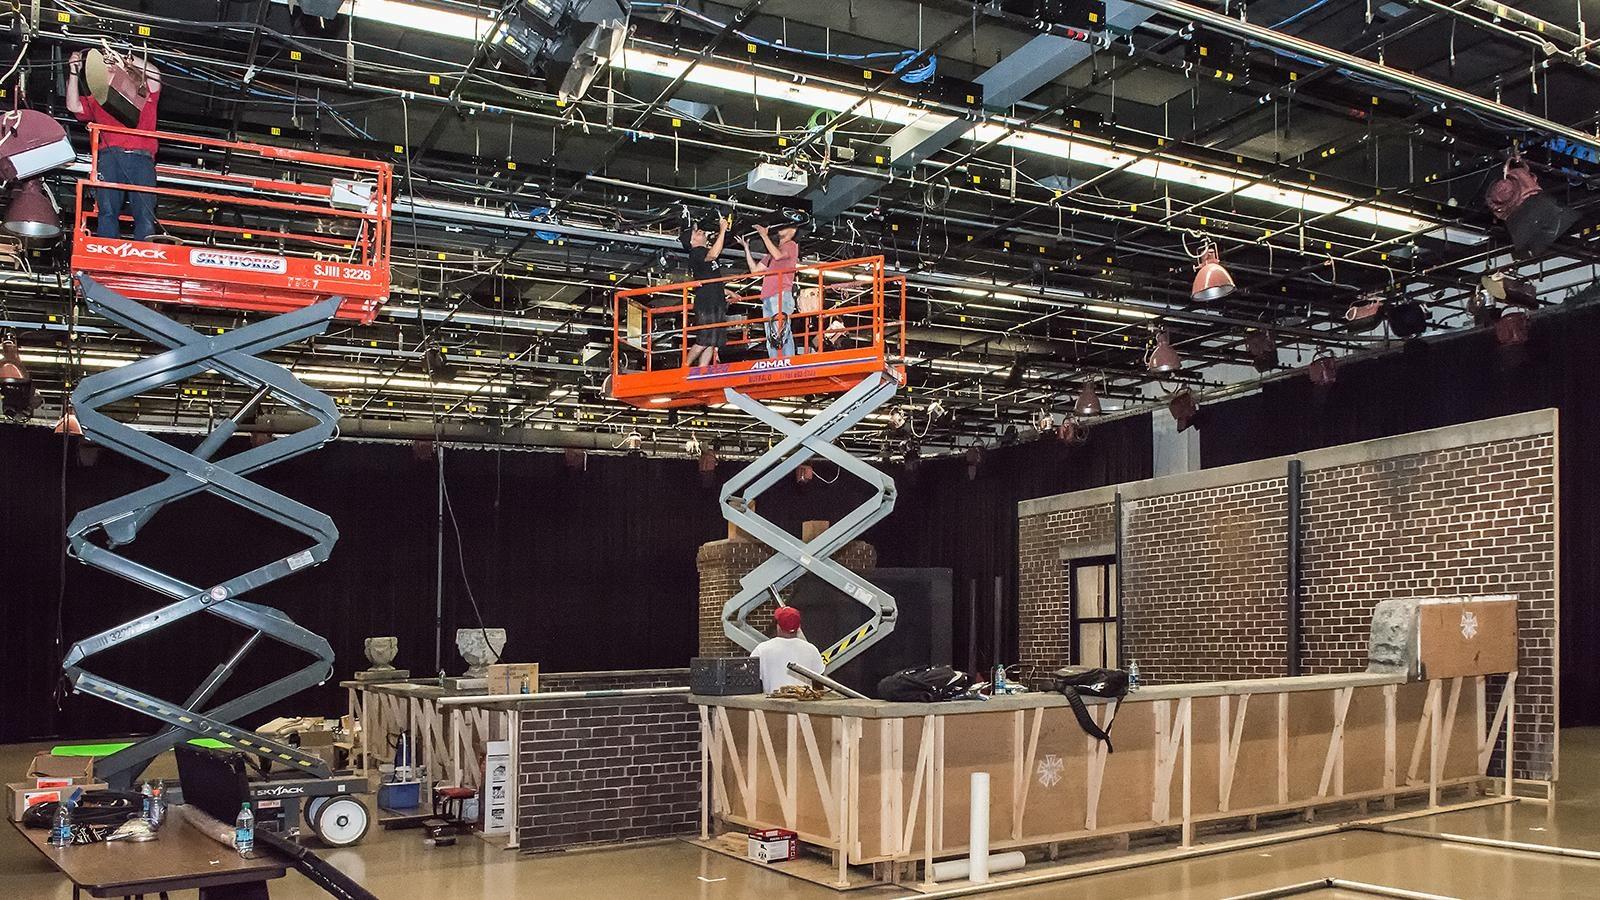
507	678
80	769
772	845
23	794
496	797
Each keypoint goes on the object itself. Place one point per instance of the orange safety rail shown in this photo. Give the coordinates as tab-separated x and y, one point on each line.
325	251
836	346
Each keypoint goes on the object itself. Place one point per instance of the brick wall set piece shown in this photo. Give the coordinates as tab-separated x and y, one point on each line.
607	770
722	563
618	679
1456	511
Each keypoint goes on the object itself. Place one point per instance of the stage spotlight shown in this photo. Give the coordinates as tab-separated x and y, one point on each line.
1184	407
1009	436
1533	218
1324	368
1073	432
974	460
16	386
317	18
1162	358
1044	423
691	447
31	142
568	42
1211	280
577	460
1511	290
68	423
438	367
1407	320
1088	401
1511	329
708	466
1262	349
803	474
33	213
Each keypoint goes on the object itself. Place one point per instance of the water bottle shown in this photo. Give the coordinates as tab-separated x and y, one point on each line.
1133	677
244	830
158	807
148	812
61	829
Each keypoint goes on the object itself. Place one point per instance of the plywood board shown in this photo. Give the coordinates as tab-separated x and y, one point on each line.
1467	637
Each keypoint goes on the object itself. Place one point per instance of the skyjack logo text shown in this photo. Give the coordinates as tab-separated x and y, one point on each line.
127	250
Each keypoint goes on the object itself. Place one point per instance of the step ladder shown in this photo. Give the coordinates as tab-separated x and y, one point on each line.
95	533
800	442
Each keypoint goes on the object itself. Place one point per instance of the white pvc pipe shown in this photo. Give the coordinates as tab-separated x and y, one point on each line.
999	862
978	830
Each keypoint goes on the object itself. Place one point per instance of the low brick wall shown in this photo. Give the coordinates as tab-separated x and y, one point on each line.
620	679
607	770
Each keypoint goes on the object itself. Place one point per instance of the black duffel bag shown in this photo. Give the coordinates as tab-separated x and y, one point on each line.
1074	682
926	684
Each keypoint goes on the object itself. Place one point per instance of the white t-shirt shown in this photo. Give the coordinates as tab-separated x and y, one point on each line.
776	654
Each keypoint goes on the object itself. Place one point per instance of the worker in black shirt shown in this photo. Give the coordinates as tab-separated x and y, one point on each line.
710	299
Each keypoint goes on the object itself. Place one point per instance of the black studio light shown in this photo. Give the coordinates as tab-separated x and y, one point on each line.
566	42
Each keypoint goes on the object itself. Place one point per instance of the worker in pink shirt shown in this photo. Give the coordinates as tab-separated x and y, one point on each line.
124	158
776	269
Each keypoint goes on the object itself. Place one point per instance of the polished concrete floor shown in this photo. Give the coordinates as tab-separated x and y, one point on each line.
398	865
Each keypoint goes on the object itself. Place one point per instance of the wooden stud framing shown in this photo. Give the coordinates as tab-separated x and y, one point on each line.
1334	759
1228	752
1024	773
1283	748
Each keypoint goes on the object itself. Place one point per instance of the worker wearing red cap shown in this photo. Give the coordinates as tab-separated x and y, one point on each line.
787	647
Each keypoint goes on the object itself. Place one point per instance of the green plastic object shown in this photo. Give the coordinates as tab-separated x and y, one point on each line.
99	750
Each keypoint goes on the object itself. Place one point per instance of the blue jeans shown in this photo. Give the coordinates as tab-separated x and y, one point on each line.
780	337
125	167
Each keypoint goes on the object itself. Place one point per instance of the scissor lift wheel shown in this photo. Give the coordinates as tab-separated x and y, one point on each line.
338	821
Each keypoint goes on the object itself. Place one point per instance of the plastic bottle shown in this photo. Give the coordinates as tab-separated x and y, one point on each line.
244	830
1133	677
158	807
148	811
61	830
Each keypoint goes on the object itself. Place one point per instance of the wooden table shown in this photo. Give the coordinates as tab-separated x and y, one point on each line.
183	858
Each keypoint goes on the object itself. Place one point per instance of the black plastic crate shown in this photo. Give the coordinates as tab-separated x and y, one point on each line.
723	676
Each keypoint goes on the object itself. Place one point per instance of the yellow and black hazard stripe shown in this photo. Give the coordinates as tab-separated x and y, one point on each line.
848	641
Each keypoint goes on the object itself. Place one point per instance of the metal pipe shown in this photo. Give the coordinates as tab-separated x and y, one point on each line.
1522	846
1405	80
559	695
1296	478
827	682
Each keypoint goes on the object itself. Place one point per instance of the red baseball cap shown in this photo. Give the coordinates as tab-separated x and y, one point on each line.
787	617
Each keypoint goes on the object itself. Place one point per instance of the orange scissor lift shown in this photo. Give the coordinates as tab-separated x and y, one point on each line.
844	346
332	262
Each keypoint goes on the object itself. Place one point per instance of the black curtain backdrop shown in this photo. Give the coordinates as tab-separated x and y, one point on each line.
591	569
1449	382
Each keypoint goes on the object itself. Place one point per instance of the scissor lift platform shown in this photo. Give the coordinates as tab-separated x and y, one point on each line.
845	348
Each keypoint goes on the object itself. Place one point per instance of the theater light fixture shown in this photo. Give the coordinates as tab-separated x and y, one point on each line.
1184	407
32	213
1263	350
1088	401
974	460
1073	432
568	42
1211	279
1511	329
1162	358
1324	368
1511	290
708	466
1407	320
1044	423
68	423
17	395
691	447
1532	217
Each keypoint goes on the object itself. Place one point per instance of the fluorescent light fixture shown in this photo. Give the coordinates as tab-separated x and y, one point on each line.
814	96
308	374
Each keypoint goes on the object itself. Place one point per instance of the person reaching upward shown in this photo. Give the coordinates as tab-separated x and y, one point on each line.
776	269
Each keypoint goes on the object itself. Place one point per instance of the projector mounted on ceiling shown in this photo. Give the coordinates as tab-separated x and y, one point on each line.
777	180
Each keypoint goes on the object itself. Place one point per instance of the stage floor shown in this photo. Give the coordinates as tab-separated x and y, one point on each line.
397	864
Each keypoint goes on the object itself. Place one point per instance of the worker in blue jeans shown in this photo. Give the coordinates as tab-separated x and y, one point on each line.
123	158
776	269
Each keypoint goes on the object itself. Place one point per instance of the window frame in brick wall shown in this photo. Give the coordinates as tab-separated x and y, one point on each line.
1111	651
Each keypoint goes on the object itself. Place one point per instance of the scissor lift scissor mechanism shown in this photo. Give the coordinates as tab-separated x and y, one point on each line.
221	275
848	342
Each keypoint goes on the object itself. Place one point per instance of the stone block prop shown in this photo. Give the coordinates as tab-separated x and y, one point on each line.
1444	637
